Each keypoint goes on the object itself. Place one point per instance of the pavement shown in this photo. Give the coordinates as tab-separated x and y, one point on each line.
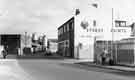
10	70
86	62
113	67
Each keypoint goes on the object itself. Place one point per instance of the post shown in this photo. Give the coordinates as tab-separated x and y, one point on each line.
114	46
94	50
25	39
78	51
112	34
0	40
116	52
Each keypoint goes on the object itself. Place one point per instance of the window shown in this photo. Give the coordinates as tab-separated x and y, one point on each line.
67	43
94	23
71	25
59	32
120	23
64	28
123	24
117	24
67	27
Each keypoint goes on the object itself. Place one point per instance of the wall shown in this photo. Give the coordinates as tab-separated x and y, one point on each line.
84	41
125	52
1	49
86	33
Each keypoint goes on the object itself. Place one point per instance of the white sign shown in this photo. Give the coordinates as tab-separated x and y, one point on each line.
103	30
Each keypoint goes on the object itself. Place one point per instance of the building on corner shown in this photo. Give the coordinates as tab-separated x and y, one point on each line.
78	35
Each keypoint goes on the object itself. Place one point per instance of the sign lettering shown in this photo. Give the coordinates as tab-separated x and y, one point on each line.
102	30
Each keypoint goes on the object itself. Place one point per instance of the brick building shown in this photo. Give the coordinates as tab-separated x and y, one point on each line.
66	38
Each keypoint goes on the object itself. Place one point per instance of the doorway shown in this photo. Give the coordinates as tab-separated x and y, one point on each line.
11	42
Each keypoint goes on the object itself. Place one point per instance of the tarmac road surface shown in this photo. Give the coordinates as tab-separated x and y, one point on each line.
55	69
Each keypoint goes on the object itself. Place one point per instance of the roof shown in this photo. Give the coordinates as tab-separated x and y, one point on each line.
66	22
120	21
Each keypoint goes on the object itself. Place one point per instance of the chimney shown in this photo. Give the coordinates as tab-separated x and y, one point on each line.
77	12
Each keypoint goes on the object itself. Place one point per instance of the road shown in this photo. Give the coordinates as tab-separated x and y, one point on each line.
56	69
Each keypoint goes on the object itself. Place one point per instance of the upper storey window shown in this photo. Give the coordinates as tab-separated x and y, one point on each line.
119	23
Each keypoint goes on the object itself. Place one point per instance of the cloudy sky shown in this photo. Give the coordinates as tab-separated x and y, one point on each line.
45	16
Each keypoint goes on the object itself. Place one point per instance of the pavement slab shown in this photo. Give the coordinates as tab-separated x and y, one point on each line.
10	70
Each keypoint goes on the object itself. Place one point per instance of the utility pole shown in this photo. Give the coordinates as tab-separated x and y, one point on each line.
25	39
112	45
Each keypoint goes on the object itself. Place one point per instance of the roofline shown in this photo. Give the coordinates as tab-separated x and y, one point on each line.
121	20
66	22
10	34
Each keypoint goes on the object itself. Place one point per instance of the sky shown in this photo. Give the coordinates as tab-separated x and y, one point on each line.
45	16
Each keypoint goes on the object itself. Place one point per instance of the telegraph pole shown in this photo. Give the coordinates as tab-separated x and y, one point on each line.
112	34
25	39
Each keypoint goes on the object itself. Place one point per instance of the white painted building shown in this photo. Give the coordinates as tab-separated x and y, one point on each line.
94	24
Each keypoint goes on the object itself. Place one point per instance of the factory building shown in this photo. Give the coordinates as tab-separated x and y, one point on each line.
15	43
77	36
